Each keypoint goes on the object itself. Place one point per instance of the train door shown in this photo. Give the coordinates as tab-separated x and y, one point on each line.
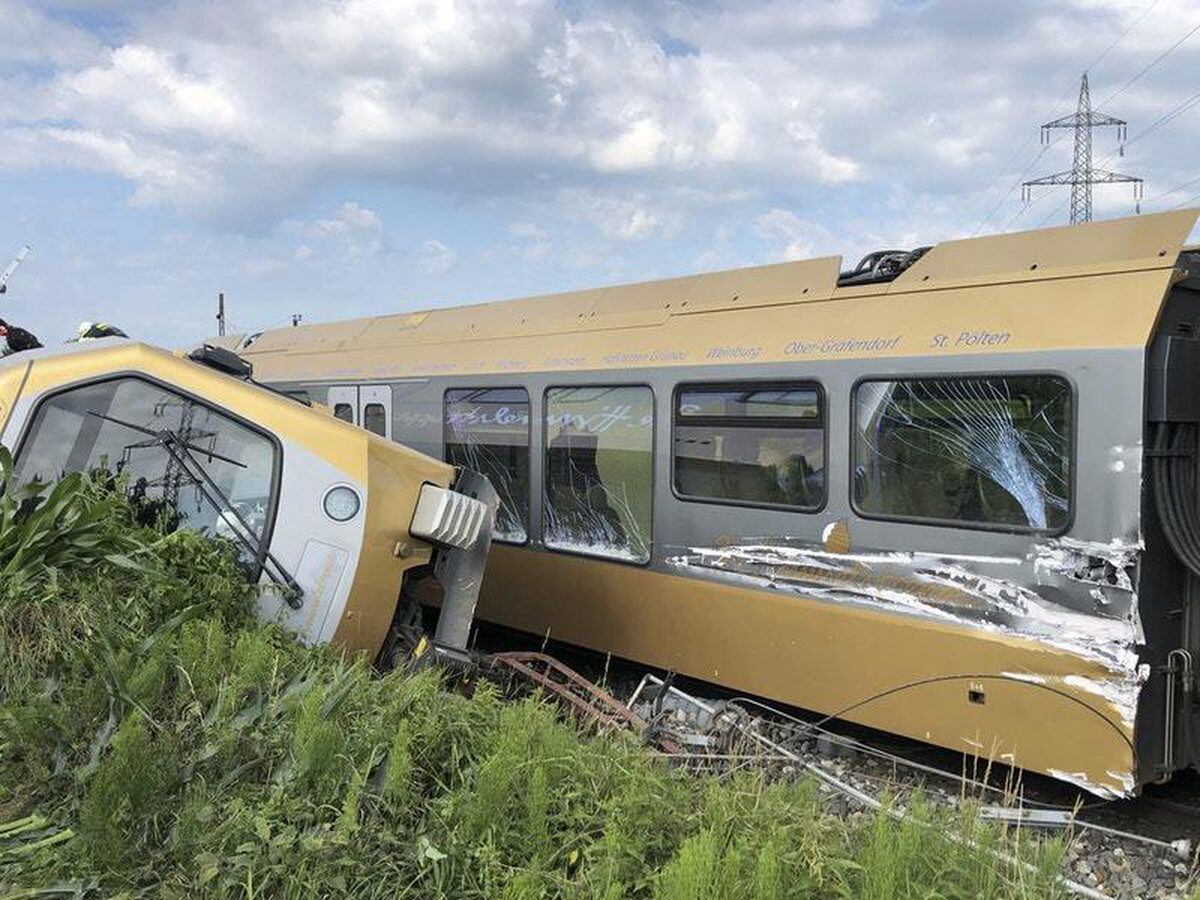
343	403
368	406
375	409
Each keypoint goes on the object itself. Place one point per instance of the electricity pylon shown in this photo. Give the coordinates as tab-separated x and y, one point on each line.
1081	175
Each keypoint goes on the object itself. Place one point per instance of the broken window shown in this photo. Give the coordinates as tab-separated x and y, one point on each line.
599	470
487	430
375	419
761	444
114	426
990	450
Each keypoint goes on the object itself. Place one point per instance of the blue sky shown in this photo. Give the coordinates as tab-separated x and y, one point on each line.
347	158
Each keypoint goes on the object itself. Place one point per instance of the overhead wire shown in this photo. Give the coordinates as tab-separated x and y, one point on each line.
1129	82
1166	118
1120	37
1045	147
1150	65
1195	198
1170	191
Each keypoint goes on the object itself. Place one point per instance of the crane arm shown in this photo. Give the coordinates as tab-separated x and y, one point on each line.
12	267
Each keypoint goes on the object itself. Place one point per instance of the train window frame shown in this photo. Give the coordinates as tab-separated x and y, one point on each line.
382	411
545	450
268	531
529	396
823	402
960	524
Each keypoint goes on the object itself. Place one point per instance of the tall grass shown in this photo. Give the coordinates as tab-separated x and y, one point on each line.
155	739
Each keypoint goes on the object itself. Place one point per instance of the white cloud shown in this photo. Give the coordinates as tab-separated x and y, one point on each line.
357	231
435	258
783	227
622	217
295	92
30	36
534	240
589	113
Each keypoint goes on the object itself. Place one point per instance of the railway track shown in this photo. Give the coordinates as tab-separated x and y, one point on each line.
1141	847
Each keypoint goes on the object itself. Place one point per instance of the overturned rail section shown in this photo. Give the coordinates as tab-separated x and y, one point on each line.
590	704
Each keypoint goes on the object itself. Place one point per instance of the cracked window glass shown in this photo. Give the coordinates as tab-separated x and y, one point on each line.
487	430
75	431
988	450
751	443
599	470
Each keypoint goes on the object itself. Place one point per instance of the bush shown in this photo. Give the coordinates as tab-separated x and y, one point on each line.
155	738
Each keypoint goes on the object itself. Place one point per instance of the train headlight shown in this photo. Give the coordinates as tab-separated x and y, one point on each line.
341	503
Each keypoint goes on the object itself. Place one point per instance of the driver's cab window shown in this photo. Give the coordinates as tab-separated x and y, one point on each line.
158	442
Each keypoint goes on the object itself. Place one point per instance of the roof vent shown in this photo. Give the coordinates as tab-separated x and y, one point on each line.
223	361
881	266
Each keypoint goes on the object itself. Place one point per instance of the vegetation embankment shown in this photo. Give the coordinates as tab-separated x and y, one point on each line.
156	740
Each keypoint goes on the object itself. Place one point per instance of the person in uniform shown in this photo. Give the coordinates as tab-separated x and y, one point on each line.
14	339
90	331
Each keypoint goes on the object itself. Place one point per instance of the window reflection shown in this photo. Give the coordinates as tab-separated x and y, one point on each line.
599	470
487	430
65	436
751	443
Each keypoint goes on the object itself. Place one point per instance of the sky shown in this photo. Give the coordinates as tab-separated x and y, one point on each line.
338	159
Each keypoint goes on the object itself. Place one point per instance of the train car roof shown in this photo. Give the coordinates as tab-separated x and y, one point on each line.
1086	286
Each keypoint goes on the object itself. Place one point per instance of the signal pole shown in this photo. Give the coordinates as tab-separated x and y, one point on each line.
1081	175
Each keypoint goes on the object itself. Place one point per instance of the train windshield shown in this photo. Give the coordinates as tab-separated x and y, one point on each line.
990	451
161	445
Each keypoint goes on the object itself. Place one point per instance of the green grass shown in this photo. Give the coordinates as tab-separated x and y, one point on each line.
156	741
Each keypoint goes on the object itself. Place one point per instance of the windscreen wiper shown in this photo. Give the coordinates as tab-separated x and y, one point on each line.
183	453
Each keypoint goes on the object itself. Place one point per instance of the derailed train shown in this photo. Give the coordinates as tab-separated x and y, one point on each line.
334	520
950	494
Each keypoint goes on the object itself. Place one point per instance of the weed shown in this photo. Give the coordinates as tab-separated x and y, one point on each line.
156	739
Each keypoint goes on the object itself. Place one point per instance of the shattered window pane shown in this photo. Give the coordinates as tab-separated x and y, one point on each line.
65	437
599	470
487	430
762	444
992	450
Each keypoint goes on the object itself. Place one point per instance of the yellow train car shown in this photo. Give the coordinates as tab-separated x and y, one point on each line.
334	518
948	494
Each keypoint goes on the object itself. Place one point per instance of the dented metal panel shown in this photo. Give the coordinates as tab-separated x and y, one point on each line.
1024	642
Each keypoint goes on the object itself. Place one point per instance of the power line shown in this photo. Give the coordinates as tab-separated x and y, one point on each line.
1146	10
1150	65
1116	93
1120	37
1188	202
1164	119
1082	175
1170	191
1174	113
